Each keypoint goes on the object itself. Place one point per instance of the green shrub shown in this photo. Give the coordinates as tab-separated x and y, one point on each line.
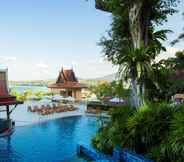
154	130
148	127
172	147
114	132
28	92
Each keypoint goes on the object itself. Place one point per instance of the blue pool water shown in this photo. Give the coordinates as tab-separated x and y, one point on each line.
51	141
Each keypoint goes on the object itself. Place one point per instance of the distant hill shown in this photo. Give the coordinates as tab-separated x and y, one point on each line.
109	77
90	81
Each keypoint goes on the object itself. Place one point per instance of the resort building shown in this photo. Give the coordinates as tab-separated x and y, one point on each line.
7	104
67	85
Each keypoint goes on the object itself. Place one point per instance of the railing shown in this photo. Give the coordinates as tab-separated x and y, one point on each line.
91	153
119	155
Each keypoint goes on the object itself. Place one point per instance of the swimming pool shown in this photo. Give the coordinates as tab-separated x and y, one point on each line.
50	141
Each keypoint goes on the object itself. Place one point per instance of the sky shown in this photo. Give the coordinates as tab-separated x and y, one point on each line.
38	37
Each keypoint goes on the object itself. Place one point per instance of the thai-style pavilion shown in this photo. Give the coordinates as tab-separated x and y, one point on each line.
67	85
7	104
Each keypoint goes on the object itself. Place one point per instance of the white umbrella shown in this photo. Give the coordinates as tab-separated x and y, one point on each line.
116	100
47	97
57	98
70	99
93	98
44	100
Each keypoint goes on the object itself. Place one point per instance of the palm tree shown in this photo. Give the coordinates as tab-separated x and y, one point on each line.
136	65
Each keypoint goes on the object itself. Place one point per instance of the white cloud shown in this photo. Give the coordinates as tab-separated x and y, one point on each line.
169	53
42	65
95	68
8	61
8	58
45	71
74	64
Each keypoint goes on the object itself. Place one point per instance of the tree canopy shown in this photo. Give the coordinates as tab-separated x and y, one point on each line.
133	41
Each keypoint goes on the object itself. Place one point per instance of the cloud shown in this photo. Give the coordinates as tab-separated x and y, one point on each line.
42	65
172	50
8	61
74	63
169	53
43	70
94	68
8	58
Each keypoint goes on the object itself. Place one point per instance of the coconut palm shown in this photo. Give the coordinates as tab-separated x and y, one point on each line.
135	64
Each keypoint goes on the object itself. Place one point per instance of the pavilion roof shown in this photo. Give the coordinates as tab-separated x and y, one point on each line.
66	75
66	80
5	97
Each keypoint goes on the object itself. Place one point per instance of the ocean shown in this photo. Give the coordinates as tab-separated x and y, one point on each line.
23	88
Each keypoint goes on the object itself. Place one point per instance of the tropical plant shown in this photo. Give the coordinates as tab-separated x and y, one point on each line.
114	132
109	89
168	78
154	130
172	147
28	92
148	127
133	28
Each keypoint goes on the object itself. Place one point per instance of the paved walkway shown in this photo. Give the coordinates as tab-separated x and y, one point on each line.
22	117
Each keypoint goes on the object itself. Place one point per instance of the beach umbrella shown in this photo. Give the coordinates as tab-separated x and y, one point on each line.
93	98
116	100
57	98
47	97
70	99
45	101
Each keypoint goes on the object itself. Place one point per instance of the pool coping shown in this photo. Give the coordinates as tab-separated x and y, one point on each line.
30	123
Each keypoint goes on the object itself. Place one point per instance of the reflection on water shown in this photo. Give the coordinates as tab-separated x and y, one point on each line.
50	141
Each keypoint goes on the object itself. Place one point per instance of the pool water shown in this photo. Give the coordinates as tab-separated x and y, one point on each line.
51	141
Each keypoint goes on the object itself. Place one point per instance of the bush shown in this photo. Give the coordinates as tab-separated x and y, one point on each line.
172	147
148	127
114	132
28	92
154	130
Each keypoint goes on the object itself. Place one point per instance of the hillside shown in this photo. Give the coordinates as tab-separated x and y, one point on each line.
109	77
90	81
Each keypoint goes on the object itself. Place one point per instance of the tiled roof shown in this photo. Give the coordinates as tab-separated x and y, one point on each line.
5	97
67	80
66	76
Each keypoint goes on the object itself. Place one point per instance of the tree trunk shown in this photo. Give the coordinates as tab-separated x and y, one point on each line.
142	92
135	24
136	102
136	34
